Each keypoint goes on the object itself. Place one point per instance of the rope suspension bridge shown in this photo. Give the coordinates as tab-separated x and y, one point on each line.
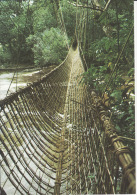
56	137
53	141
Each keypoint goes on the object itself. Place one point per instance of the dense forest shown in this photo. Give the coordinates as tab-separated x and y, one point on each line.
39	32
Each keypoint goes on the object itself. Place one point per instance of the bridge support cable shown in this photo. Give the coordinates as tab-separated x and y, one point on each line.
114	71
60	19
63	24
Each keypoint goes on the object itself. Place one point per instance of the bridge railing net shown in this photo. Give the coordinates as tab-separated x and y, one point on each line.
51	139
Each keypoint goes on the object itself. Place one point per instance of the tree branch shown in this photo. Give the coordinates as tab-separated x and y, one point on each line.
107	4
94	8
82	6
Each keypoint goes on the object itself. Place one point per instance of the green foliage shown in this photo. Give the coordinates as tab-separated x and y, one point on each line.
131	72
15	26
69	16
95	82
5	55
43	17
29	32
89	77
105	49
124	118
108	35
117	95
49	47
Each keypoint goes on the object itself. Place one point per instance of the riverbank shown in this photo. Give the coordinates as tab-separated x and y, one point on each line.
10	80
16	69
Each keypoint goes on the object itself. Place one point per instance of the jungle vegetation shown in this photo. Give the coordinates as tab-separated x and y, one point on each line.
32	33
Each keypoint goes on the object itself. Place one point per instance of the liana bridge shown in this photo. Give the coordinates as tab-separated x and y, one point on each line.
57	138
